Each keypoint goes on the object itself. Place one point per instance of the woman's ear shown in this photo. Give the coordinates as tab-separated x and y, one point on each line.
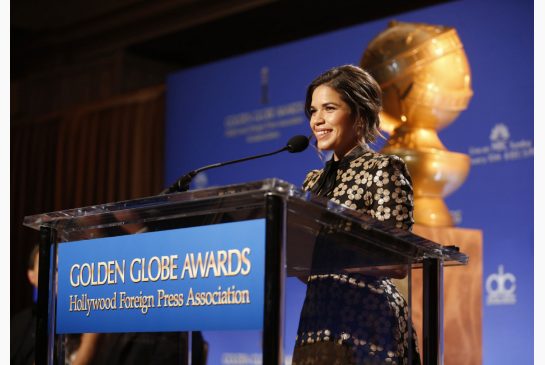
359	128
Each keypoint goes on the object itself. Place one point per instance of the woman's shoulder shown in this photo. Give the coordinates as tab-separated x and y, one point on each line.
311	179
371	160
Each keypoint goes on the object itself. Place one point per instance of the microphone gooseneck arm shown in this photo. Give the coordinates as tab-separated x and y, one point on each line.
295	144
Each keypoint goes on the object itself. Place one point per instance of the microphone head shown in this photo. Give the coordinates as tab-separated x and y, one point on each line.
297	144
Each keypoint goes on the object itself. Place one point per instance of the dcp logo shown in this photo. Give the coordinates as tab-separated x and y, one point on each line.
500	288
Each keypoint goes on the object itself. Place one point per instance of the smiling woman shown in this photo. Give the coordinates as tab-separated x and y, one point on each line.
352	90
355	318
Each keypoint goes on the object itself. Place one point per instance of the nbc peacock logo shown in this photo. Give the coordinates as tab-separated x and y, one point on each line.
499	135
502	147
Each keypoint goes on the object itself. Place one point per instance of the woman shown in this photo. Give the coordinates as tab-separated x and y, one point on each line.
355	318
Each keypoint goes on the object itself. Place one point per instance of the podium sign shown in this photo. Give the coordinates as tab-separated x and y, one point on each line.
198	278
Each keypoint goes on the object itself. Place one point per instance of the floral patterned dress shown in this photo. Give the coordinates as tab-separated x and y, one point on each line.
355	318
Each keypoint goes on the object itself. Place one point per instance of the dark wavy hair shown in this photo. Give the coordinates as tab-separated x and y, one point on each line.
360	91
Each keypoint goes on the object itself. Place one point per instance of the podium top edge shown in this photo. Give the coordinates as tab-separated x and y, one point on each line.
252	193
270	185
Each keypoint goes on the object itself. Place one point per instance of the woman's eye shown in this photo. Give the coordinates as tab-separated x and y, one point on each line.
329	108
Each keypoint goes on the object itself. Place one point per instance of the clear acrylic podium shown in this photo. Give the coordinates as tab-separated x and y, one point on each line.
303	235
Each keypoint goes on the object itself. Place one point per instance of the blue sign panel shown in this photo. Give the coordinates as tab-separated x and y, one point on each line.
198	278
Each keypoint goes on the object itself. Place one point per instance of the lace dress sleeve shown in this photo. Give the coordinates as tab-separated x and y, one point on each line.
311	179
389	198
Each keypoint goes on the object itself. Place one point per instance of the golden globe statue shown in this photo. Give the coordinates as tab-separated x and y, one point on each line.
426	82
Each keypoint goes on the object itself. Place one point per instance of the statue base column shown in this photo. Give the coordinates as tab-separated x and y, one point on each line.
462	289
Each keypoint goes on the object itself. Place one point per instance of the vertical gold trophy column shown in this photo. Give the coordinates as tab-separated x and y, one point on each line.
426	82
425	77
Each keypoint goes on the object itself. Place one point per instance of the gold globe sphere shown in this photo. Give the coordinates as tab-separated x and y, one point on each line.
423	72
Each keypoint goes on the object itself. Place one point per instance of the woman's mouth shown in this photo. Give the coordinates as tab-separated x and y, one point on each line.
322	133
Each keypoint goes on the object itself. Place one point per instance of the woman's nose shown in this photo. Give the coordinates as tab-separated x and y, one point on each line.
317	118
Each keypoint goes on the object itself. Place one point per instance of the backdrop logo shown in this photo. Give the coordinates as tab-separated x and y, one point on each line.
501	148
264	124
499	137
500	288
264	85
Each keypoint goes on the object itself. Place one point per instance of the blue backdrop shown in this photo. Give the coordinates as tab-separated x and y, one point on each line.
253	103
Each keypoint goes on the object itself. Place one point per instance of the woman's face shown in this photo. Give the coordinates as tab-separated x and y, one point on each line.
332	122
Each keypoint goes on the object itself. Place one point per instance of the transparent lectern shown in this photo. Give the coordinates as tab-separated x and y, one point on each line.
148	275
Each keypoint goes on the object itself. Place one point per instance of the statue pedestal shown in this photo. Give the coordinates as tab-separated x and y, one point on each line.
463	312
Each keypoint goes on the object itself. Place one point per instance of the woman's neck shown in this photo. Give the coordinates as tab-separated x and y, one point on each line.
339	156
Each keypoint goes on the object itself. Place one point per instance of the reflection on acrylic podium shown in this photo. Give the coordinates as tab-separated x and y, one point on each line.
170	279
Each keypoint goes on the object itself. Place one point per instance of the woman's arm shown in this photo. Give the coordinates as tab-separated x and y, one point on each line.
389	199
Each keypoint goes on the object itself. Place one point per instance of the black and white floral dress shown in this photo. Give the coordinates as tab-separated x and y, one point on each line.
355	318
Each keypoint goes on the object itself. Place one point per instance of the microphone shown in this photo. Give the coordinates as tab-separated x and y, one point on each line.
295	144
